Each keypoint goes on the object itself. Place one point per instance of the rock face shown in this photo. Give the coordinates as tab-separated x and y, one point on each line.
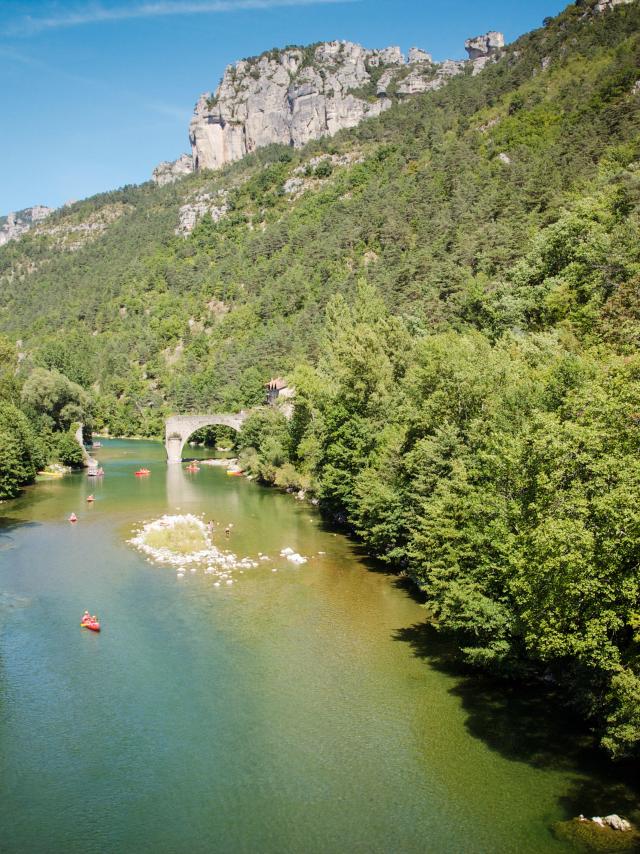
18	223
305	177
480	46
605	5
71	236
416	54
214	204
290	97
297	94
169	171
423	78
482	49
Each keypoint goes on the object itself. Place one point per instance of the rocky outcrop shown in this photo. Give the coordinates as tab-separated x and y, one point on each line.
171	170
64	233
37	213
481	46
613	821
16	224
290	97
605	5
482	49
616	823
307	176
214	204
71	236
426	78
416	54
297	94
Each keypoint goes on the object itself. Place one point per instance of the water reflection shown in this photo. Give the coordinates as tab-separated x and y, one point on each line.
181	489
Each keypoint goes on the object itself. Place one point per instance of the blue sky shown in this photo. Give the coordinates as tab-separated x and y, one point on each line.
94	94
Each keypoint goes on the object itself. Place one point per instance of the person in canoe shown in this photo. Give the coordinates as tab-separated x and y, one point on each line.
90	622
90	499
73	518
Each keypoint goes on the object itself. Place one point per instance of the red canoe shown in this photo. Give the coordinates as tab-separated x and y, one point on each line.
93	625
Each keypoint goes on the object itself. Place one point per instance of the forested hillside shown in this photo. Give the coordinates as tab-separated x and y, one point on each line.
454	289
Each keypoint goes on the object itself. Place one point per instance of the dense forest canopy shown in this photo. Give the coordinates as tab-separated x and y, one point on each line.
454	290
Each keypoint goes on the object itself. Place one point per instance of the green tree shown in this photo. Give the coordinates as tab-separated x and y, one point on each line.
68	451
55	397
20	455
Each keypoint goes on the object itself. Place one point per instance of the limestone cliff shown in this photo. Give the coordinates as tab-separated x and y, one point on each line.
481	46
297	94
606	5
15	224
169	171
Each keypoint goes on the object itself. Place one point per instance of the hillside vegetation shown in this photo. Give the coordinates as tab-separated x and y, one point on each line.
454	289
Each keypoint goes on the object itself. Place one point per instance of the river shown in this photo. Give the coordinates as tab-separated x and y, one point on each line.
303	710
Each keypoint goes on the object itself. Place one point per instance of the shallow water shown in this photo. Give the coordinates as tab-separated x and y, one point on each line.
306	710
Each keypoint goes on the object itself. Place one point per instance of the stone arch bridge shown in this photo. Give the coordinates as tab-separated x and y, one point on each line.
178	428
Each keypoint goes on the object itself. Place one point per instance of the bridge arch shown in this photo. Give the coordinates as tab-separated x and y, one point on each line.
178	428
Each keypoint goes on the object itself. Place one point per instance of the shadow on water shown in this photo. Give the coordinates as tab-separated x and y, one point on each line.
8	524
523	722
529	723
10	601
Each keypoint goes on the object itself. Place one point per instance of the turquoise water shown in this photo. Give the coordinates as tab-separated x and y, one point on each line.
306	710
